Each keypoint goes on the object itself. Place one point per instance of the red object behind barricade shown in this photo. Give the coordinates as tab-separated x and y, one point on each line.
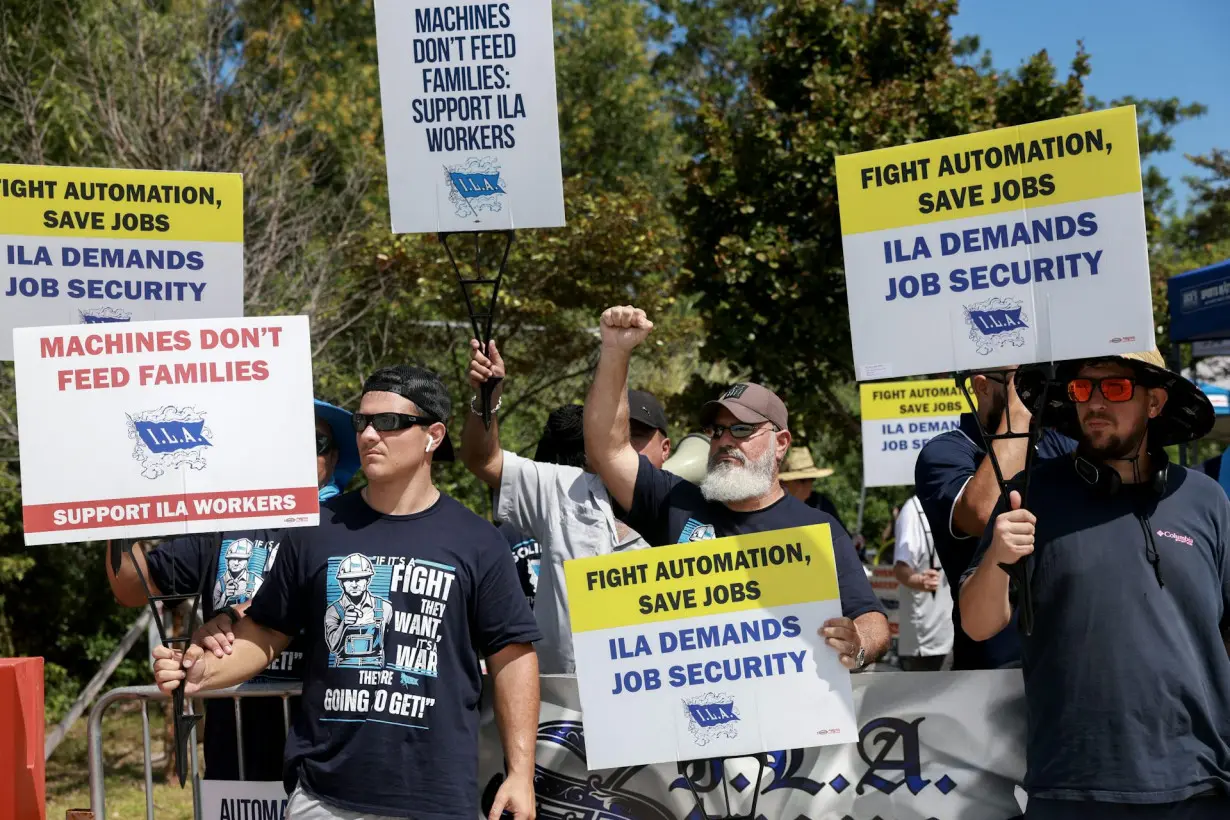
21	742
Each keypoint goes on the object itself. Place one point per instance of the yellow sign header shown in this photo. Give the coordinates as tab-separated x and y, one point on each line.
742	572
109	203
911	399
1086	156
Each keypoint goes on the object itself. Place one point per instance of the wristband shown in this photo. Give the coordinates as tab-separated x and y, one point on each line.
494	410
230	612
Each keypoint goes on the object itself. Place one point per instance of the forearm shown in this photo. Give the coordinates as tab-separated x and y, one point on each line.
606	408
126	583
873	634
253	649
515	677
906	576
480	449
984	603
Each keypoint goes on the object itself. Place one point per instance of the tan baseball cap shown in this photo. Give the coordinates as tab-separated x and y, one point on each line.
749	403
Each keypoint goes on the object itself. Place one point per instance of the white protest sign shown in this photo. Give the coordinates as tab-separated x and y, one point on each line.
164	428
471	131
709	649
1007	247
899	418
101	246
242	800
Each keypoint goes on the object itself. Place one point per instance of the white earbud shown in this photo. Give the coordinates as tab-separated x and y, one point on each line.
431	442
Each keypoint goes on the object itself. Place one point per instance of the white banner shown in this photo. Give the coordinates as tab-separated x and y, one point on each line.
101	246
899	418
163	428
1012	246
471	131
930	746
242	800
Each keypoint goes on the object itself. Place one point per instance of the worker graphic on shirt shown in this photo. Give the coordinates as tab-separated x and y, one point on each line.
356	622
241	576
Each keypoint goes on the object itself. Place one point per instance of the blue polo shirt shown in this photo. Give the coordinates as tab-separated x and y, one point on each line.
1127	681
945	464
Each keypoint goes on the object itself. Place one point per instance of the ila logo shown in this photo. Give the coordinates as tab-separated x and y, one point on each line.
169	438
476	186
103	315
995	323
711	716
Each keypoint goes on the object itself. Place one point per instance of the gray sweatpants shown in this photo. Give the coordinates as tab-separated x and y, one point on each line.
302	806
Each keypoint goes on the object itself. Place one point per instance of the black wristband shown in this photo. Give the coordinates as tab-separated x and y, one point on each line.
230	612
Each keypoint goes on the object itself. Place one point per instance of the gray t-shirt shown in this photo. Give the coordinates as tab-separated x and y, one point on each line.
926	618
569	512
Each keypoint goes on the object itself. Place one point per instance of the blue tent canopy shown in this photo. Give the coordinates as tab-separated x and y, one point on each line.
1200	304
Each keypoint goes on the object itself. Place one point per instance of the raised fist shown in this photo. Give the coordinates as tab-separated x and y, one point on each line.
624	327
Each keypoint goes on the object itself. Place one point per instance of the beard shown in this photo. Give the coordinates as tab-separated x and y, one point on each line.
1112	447
726	482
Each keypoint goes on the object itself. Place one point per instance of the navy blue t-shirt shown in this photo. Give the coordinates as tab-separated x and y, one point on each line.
1127	681
235	568
395	610
666	509
945	464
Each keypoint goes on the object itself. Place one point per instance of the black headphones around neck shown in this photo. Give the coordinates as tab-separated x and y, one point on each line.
1105	481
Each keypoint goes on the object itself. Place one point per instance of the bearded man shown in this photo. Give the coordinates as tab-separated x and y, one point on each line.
749	436
1127	677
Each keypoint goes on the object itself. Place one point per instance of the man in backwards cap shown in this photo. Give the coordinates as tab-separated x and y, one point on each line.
397	593
749	435
238	562
1127	677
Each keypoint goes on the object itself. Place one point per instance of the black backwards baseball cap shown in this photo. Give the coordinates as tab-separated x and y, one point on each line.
424	388
645	409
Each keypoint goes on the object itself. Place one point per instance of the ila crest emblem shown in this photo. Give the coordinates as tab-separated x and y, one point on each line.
103	315
996	322
169	438
476	186
711	716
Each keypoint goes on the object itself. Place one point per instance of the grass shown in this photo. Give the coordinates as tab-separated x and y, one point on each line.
68	780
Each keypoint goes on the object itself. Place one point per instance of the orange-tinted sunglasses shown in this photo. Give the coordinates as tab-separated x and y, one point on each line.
1114	389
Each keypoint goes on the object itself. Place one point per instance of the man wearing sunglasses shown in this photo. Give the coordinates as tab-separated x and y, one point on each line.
957	488
555	497
749	437
1127	677
238	563
397	593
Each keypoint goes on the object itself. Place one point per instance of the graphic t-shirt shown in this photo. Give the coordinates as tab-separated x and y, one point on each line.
395	611
232	570
527	555
666	509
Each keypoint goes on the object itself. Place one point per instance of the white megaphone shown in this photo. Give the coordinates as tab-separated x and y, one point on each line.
690	460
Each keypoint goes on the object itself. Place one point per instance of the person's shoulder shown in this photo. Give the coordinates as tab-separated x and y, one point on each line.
558	473
946	446
798	514
1199	486
1053	444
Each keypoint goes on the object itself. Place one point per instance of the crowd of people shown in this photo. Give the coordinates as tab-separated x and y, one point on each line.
1110	587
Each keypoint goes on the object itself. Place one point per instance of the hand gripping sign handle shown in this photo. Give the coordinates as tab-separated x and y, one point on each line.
717	769
1019	572
481	320
184	723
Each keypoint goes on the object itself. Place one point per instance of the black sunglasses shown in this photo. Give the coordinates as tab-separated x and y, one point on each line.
737	430
324	443
385	422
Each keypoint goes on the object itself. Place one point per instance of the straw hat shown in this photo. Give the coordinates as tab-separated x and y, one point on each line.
1187	416
799	465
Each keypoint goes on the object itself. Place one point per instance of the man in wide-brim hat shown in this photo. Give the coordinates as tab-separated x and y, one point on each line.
798	478
1127	678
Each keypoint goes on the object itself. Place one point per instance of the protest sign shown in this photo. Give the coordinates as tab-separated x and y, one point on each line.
164	428
935	745
898	419
709	649
101	246
470	127
242	800
1012	246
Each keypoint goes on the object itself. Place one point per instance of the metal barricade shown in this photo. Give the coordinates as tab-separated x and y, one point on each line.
146	694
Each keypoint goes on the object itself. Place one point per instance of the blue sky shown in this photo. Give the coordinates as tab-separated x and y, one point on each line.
1147	48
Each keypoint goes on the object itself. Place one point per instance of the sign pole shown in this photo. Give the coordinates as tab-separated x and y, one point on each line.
481	319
